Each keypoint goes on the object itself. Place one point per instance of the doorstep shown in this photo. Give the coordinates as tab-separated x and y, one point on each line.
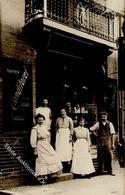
64	177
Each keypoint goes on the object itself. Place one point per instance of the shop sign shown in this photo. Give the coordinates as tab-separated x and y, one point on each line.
17	94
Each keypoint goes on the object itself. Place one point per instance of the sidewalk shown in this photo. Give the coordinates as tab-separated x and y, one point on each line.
98	185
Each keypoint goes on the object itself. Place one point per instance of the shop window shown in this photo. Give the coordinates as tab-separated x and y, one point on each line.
17	95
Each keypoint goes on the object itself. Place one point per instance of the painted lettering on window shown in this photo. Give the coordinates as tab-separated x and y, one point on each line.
19	89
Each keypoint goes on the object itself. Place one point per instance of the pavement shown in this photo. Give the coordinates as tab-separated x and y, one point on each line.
97	185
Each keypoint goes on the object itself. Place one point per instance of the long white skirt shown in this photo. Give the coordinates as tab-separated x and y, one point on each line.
82	161
47	161
63	146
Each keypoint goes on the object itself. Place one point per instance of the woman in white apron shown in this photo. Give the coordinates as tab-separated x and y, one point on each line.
82	164
64	132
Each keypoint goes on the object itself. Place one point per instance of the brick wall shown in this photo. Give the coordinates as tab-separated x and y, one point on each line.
13	45
15	167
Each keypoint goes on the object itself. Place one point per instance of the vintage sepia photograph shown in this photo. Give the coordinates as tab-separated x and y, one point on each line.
62	97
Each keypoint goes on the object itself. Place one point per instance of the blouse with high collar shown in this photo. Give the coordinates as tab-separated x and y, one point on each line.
63	122
41	131
81	132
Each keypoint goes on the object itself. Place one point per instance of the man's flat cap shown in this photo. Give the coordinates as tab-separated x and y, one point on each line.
103	113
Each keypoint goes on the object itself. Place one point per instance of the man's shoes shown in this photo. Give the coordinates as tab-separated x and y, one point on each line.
112	174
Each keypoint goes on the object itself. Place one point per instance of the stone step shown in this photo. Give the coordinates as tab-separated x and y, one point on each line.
64	177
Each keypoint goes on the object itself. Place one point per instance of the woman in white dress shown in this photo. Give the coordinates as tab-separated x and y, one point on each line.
82	164
47	163
64	131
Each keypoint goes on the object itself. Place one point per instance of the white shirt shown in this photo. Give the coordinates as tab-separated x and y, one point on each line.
96	127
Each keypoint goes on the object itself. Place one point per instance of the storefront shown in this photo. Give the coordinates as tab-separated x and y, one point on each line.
57	54
71	69
72	40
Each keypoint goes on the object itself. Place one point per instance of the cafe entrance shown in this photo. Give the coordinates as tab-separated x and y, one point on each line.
78	79
70	69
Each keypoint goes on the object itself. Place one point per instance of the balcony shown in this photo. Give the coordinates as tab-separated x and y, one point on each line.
84	18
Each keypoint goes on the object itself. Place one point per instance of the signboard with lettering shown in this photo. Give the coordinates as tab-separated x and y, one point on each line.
17	95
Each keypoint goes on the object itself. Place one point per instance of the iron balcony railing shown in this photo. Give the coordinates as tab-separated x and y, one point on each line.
89	16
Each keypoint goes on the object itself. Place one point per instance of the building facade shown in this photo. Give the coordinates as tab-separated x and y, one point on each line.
16	59
61	50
